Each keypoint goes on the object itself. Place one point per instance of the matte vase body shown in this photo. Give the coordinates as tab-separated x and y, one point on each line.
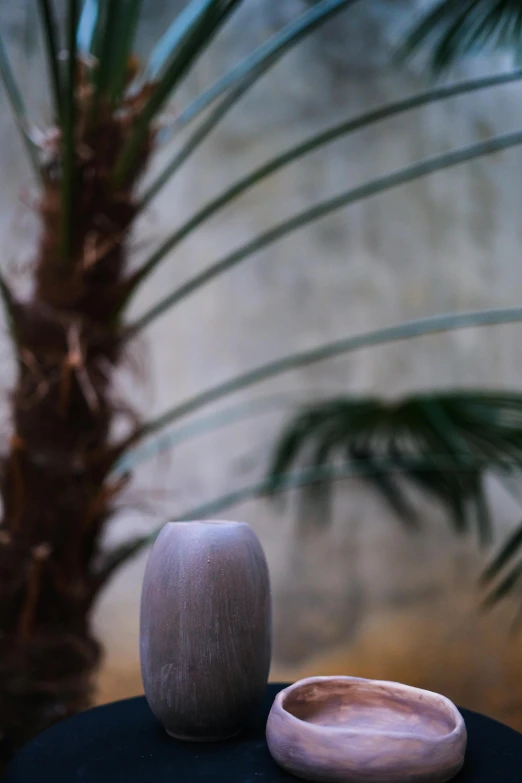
205	635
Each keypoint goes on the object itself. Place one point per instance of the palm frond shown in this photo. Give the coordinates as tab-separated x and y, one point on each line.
87	26
504	587
235	84
506	554
127	27
504	573
182	25
456	28
284	483
10	308
202	426
107	36
404	331
68	128
351	196
294	153
52	53
18	107
196	36
264	56
107	31
281	483
201	133
436	428
387	485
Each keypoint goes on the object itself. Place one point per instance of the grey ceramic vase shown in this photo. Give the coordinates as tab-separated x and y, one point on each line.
205	628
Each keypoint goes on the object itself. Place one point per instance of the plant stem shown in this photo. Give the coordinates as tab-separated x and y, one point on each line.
273	165
18	108
404	331
68	153
263	56
51	48
322	209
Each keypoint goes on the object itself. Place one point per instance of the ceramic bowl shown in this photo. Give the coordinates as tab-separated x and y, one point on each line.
365	731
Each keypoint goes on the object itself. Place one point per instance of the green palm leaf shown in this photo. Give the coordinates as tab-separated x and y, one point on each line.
87	26
196	34
107	36
202	426
351	196
294	153
263	56
411	434
107	30
182	25
10	309
404	331
285	482
51	49
68	129
236	83
504	587
127	27
18	108
456	28
506	554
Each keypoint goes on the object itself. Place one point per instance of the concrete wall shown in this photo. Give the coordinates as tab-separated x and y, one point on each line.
360	595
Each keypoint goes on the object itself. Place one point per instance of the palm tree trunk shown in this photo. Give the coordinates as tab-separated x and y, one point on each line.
55	486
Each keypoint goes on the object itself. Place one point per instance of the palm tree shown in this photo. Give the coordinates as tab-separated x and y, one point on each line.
64	470
468	432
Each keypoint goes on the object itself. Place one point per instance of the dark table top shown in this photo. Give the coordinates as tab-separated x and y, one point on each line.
123	743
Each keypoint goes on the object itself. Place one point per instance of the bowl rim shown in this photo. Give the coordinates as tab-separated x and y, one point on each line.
458	730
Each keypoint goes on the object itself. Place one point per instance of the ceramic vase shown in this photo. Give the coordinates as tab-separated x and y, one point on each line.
205	628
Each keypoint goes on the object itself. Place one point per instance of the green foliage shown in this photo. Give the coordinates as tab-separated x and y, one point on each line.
264	56
68	131
51	49
289	156
299	479
454	29
181	52
9	305
166	441
304	218
124	39
504	573
442	442
236	82
87	27
404	331
18	107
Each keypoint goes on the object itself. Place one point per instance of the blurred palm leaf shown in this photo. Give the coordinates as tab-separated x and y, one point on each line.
404	331
87	26
185	41
69	112
18	107
304	479
504	573
52	52
306	217
456	28
443	443
263	56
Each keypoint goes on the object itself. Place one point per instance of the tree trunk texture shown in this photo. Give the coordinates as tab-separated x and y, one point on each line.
55	484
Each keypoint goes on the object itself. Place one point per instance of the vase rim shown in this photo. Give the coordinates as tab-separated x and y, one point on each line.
224	522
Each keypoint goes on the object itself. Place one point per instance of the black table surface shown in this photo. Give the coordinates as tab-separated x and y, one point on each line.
123	742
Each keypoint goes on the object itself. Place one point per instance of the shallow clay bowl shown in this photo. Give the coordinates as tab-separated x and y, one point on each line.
365	731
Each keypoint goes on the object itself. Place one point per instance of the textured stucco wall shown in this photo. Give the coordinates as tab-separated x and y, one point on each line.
362	595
